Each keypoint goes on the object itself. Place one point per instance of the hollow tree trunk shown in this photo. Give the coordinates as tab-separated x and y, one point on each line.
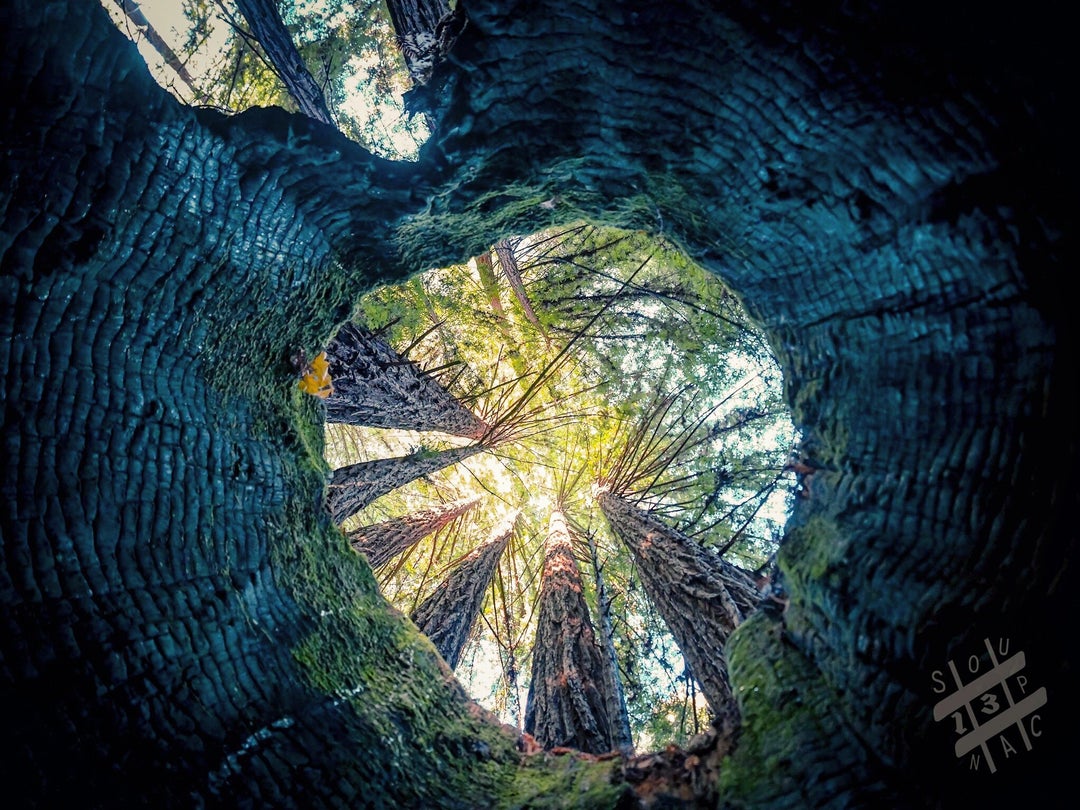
381	542
689	588
447	616
889	191
358	485
374	386
269	29
566	706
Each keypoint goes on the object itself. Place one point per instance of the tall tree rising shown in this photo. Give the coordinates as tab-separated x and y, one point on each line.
626	364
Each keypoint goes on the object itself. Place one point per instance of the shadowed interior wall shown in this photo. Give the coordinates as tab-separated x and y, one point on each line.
888	190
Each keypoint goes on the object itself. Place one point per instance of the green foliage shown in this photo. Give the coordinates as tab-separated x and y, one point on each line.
631	339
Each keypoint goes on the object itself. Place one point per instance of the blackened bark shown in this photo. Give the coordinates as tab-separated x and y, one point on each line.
374	386
566	706
690	588
357	485
448	614
889	189
269	29
381	542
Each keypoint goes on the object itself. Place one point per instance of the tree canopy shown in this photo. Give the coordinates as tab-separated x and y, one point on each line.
616	363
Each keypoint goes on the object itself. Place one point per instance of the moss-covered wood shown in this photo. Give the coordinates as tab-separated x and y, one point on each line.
889	190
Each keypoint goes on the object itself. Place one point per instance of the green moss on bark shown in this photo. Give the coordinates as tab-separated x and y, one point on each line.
558	782
787	713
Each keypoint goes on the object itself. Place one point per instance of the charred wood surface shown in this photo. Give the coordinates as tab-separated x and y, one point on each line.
890	190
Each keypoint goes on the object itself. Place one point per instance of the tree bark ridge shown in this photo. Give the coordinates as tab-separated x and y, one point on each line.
692	589
270	30
449	613
355	486
381	542
374	386
566	706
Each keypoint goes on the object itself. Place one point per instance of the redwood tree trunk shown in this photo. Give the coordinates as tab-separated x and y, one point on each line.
381	542
509	265
622	737
425	30
269	29
358	485
374	386
689	587
447	616
138	19
566	706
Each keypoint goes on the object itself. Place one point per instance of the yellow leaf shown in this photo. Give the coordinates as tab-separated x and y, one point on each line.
317	381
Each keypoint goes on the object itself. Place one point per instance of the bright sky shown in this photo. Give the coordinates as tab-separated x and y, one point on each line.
360	104
167	18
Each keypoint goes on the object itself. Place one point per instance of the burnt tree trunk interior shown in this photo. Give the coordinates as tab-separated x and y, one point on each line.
890	190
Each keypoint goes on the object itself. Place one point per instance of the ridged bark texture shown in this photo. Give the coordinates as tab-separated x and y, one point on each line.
447	616
381	542
374	386
566	706
690	588
181	624
355	486
890	189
